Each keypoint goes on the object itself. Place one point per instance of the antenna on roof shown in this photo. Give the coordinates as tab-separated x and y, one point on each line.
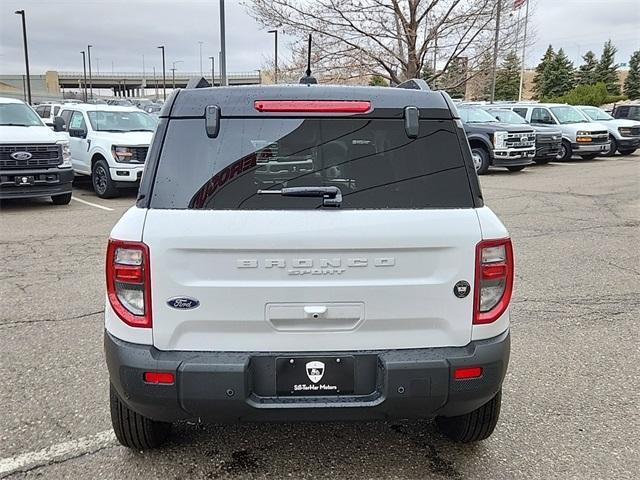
308	79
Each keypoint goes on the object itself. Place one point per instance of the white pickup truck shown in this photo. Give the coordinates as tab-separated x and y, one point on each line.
108	143
34	160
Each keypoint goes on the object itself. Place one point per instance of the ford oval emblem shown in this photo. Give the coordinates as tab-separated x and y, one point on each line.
183	303
21	155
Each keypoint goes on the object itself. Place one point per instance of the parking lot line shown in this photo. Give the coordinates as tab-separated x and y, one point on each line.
92	204
56	453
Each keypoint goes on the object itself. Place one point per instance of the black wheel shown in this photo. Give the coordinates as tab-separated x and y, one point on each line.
516	168
627	152
101	179
480	159
565	152
132	429
591	156
613	147
63	199
473	426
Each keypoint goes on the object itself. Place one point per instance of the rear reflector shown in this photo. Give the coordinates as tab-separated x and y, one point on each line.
313	106
164	378
467	372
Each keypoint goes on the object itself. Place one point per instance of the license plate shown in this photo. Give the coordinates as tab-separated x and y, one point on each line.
25	180
314	375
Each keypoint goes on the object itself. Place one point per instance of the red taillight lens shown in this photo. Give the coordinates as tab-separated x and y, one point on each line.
494	280
128	282
312	106
165	378
467	372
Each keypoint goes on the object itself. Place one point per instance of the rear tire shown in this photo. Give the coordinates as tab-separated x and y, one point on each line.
474	426
103	185
516	168
132	429
565	153
627	152
481	159
63	199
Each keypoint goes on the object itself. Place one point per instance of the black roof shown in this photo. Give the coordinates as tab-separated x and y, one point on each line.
387	102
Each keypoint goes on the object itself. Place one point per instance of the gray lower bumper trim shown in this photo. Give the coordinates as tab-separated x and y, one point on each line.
232	387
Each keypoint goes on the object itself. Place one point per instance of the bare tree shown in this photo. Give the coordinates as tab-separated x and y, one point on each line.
395	39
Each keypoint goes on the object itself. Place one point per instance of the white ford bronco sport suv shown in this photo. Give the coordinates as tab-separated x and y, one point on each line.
109	143
307	253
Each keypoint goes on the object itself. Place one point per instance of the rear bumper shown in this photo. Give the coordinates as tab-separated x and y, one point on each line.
46	182
231	387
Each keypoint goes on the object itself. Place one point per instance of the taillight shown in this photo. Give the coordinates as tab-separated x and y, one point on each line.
494	280
128	282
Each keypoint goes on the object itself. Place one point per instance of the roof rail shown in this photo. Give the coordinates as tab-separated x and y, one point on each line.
415	84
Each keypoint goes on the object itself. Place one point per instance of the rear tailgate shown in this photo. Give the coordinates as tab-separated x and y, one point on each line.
322	280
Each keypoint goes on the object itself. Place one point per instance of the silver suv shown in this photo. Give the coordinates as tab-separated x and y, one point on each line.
579	136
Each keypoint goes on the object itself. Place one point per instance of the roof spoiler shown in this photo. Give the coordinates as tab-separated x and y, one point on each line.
415	84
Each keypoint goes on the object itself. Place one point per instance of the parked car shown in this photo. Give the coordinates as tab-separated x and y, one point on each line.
48	111
579	136
34	160
624	135
153	109
630	111
548	139
495	143
374	286
109	143
120	102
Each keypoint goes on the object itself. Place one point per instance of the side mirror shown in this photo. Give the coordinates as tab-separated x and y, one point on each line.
58	124
77	132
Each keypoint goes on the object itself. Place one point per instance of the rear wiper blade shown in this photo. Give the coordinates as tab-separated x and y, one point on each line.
331	196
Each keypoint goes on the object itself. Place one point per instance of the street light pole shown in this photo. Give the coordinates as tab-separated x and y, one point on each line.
164	76
200	45
173	72
275	71
26	52
84	84
90	80
213	77
223	47
495	52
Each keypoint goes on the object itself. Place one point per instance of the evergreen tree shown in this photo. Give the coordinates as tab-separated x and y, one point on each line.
632	82
542	72
427	74
508	78
483	78
607	69
587	74
378	81
559	77
453	80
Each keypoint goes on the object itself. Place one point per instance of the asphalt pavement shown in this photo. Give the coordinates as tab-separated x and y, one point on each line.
570	402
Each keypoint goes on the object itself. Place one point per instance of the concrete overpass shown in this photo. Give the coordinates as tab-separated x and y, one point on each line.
132	84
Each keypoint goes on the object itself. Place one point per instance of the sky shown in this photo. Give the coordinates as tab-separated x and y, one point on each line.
123	31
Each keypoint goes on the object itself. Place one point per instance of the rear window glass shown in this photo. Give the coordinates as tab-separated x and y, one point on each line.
373	163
